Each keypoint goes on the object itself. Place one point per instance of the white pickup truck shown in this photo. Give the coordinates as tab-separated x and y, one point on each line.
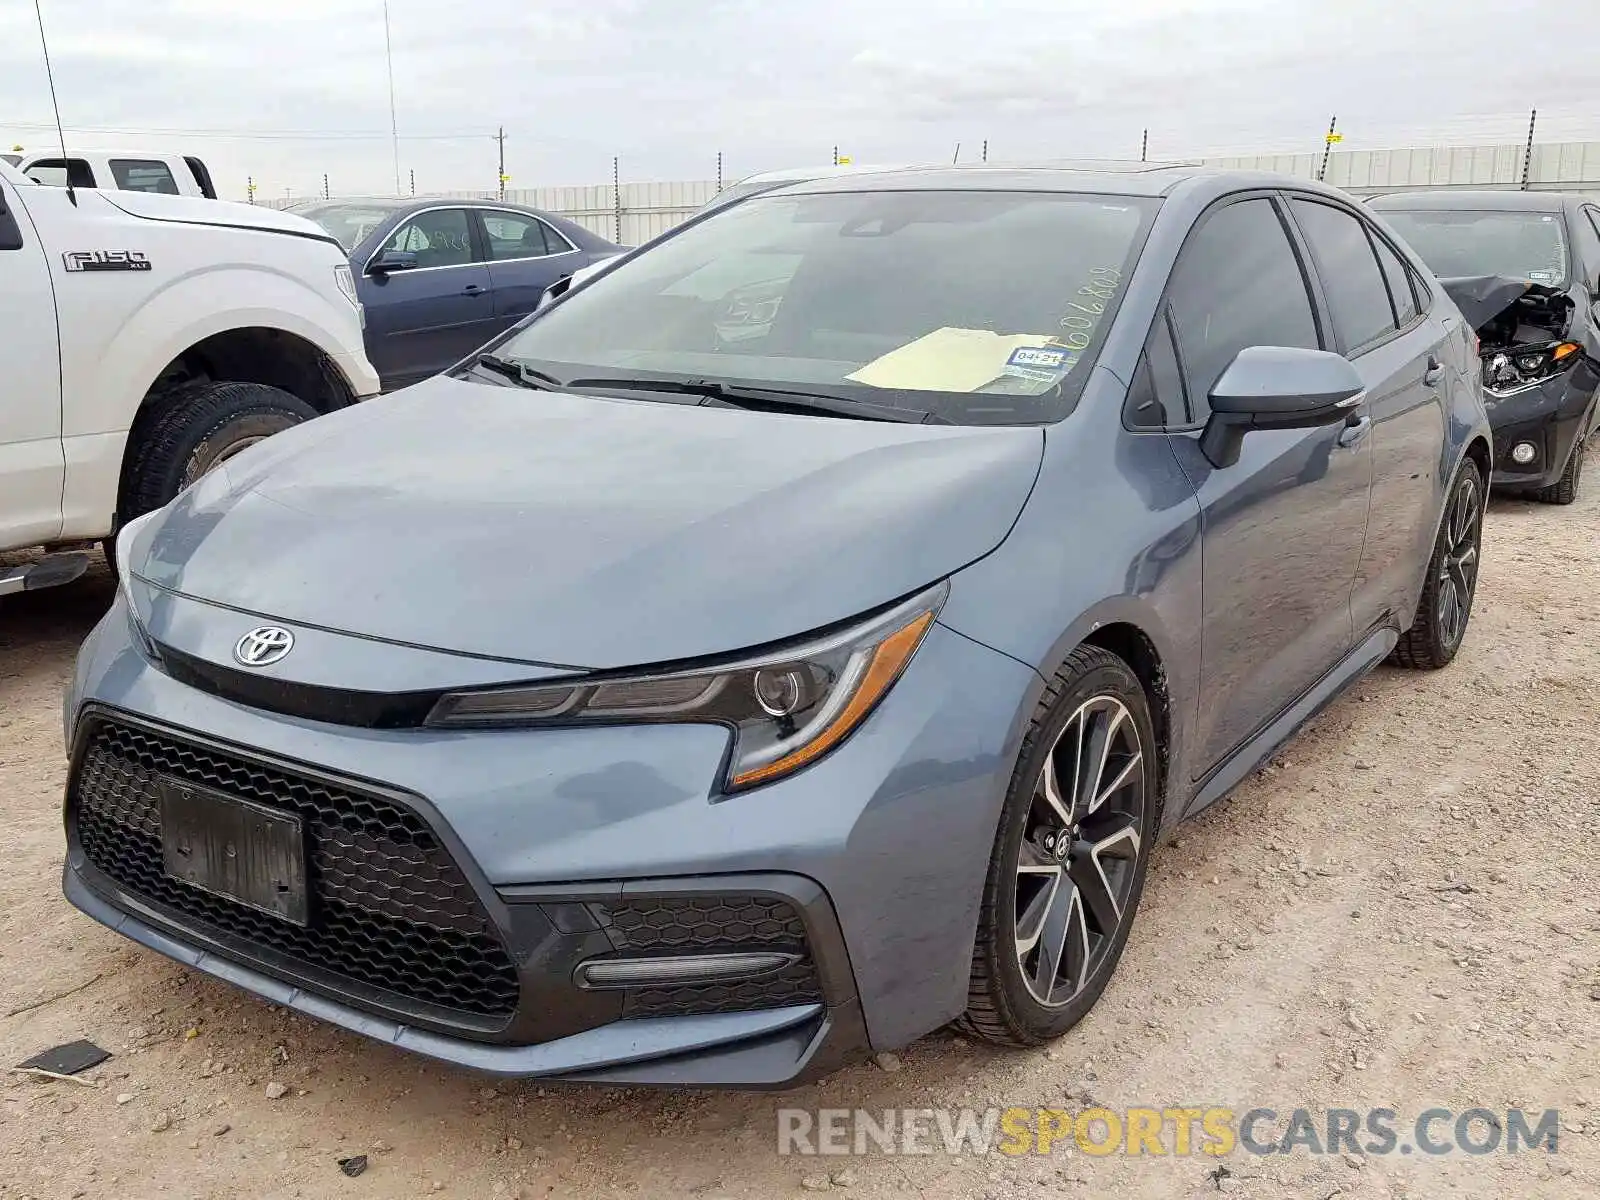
146	338
119	170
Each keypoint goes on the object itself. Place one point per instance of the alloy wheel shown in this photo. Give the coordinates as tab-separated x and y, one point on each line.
1458	565
1077	863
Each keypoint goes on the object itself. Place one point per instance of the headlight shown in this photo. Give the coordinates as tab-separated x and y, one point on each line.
1507	371
124	555
786	708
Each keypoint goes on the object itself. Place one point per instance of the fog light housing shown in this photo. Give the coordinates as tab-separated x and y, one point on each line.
680	970
1524	453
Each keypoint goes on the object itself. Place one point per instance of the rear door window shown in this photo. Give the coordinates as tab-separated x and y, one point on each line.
510	235
1402	287
1238	284
1351	278
144	175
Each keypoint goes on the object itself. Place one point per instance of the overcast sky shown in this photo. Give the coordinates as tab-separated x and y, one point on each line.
666	84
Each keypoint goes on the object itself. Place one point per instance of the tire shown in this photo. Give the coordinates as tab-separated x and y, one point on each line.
191	429
1565	489
1439	627
1093	690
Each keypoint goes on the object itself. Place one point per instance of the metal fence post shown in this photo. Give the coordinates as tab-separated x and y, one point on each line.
1527	156
616	193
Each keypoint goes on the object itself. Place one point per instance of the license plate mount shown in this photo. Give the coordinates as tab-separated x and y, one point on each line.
234	848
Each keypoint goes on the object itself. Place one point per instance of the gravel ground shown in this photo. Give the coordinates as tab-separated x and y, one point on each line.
1402	911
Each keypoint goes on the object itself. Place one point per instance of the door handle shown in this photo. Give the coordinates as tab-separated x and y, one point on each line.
472	289
1434	373
1355	431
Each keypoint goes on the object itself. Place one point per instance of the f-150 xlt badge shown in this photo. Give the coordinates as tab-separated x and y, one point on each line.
105	260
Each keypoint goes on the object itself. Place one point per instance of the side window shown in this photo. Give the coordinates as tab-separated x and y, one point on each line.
1589	246
10	230
513	236
1357	294
58	172
143	175
441	238
1238	283
1402	287
1155	401
556	240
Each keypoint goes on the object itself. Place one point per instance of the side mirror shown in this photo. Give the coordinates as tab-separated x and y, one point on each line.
554	292
1277	387
393	260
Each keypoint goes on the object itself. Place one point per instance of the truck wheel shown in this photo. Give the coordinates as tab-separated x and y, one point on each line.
192	429
1565	489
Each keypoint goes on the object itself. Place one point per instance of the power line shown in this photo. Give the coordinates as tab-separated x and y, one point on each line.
255	134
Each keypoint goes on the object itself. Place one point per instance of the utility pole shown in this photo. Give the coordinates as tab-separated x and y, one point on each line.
1527	156
394	122
501	138
1327	145
957	157
1144	147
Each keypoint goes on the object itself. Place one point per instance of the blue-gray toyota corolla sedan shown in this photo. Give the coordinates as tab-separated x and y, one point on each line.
791	640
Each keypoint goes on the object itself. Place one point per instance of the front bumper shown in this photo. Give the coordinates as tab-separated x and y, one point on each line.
878	850
1551	418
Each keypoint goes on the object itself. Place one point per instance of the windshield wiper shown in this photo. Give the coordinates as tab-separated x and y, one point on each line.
764	399
518	373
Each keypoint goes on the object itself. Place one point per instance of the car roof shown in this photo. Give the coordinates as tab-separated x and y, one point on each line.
52	152
1102	176
1490	200
801	174
407	203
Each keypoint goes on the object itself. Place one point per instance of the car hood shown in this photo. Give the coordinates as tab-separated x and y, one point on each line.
195	210
585	532
1482	298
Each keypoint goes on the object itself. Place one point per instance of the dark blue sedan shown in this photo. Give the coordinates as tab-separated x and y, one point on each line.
439	278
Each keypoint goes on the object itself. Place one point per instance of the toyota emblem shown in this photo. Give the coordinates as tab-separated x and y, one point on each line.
263	647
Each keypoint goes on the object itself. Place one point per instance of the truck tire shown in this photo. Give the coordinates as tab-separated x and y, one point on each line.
1565	489
192	429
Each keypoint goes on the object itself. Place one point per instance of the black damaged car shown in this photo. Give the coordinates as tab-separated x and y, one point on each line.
1524	268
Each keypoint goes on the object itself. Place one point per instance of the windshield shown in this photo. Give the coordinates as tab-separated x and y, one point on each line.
1523	245
348	223
982	307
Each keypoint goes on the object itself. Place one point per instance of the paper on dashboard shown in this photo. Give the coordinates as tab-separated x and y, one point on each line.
946	360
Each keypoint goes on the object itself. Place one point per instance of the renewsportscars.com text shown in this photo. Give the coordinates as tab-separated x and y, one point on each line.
1166	1131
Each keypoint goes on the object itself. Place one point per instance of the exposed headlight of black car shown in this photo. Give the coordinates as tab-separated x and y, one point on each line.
1522	366
786	708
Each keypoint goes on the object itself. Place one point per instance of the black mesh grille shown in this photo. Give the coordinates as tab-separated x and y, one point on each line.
699	924
390	909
